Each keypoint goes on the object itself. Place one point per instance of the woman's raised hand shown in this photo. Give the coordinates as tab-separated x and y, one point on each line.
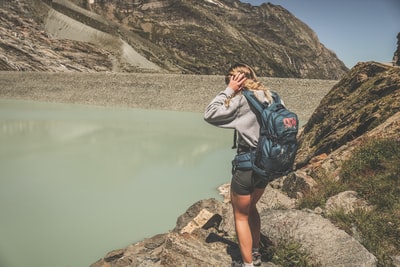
236	82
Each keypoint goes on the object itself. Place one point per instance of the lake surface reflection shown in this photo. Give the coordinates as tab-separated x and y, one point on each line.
79	181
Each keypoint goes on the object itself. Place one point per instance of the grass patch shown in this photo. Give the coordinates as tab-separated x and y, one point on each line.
324	189
286	253
373	171
378	232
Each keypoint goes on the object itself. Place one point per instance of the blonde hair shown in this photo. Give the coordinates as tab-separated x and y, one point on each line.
251	83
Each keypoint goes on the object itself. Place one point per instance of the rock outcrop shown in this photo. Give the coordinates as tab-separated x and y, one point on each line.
213	242
363	105
317	235
361	101
396	57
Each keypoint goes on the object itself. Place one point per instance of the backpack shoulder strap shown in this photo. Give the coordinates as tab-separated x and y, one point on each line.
252	99
276	97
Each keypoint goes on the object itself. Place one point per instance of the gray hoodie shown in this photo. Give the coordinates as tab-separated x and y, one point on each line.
237	115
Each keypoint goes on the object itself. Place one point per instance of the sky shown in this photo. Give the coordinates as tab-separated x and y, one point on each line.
355	30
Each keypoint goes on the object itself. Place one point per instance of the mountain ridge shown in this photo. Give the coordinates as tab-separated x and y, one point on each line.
189	37
270	36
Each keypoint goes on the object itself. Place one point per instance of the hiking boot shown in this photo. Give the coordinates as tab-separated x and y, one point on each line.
256	258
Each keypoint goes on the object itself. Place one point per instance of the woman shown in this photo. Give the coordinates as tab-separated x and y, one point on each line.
230	109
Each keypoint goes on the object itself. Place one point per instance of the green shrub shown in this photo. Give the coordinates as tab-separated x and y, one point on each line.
374	172
288	254
284	252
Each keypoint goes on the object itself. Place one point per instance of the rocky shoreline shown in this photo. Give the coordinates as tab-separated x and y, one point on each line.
190	93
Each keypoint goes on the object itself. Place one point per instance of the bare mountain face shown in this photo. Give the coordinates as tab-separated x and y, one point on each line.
25	46
396	56
175	36
207	36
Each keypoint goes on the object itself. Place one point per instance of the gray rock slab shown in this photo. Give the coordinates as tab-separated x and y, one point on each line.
326	244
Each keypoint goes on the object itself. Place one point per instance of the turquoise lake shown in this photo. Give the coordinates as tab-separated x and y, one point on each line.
79	181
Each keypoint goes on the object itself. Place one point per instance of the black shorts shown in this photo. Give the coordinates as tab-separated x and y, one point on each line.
244	182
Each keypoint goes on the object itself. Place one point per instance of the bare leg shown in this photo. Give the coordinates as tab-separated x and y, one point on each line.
247	222
241	209
254	217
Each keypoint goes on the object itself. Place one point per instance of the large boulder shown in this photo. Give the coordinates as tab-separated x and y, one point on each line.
325	243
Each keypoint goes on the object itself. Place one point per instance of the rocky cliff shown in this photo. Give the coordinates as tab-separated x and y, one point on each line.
366	97
396	57
363	106
173	36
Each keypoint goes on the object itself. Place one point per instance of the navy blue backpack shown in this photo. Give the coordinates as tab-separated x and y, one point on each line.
277	145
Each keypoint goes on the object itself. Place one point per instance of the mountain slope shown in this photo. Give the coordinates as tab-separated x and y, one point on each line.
177	36
25	46
207	36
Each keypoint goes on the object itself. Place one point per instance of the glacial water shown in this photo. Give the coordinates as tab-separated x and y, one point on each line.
79	181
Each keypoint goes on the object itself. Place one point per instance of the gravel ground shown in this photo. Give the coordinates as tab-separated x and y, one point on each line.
150	91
